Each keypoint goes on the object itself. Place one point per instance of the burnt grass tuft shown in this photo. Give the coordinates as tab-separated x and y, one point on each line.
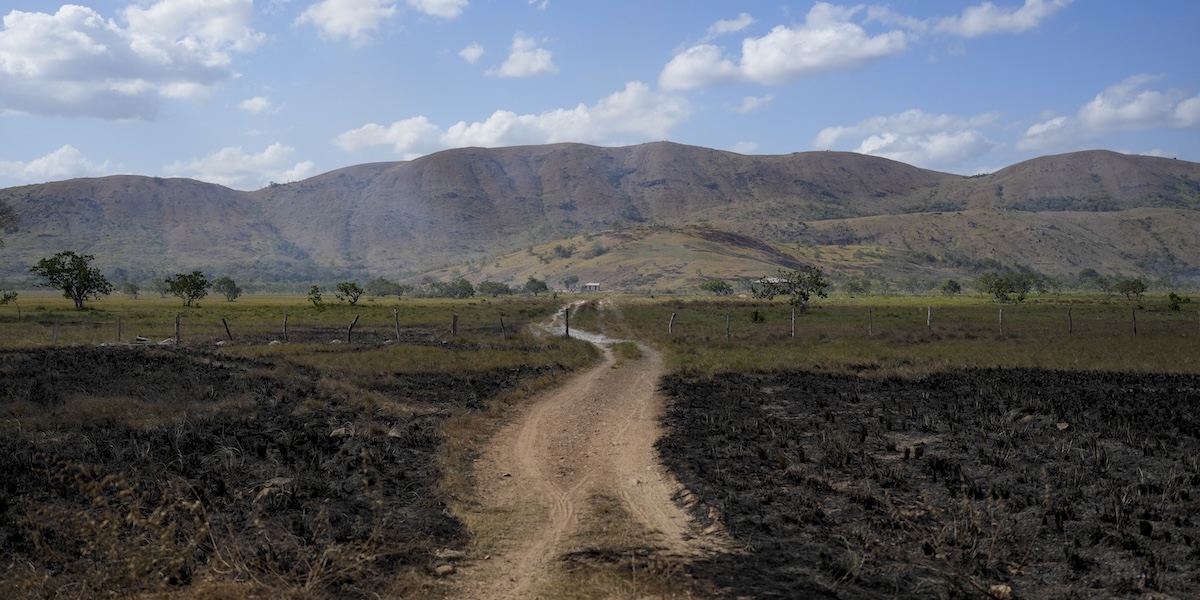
250	475
1017	483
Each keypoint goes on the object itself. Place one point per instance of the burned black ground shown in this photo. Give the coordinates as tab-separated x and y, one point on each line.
981	483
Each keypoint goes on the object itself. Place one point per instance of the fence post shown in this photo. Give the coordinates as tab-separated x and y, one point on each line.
1070	322
454	325
671	325
350	329
793	320
226	324
567	321
503	332
1134	312
728	315
396	315
177	330
285	316
1002	321
118	329
870	322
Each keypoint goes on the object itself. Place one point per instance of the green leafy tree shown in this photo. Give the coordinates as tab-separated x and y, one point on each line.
535	286
1004	286
227	287
1175	301
569	282
719	287
1130	288
460	288
799	286
951	287
348	291
73	274
494	289
10	297
189	287
382	286
314	296
130	289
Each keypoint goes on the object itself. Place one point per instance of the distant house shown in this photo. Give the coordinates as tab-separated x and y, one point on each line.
589	287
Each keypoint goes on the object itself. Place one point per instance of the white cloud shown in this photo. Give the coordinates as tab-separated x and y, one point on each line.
723	27
64	163
257	105
916	137
352	20
232	167
472	52
753	103
987	18
1125	106
635	111
744	147
440	8
827	41
540	4
525	59
77	63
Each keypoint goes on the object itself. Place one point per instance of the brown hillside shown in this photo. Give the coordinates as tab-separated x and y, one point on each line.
402	219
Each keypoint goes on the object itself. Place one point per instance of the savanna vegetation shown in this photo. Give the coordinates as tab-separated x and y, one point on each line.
944	446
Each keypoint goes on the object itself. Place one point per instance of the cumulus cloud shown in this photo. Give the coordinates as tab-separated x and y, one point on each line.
233	167
987	18
64	163
1125	106
753	103
472	52
915	137
525	59
827	41
76	62
257	105
448	9
635	111
725	26
355	21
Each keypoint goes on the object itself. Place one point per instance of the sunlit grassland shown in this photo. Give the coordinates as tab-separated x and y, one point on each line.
47	318
909	336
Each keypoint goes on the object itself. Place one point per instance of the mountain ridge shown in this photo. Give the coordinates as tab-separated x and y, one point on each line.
402	219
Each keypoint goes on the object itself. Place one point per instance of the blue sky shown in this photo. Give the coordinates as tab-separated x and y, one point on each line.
242	92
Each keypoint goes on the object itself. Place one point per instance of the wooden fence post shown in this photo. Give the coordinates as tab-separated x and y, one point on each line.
350	329
728	316
793	320
454	325
118	329
285	316
1070	322
870	322
928	319
396	315
176	330
671	325
226	324
567	321
1002	321
1134	312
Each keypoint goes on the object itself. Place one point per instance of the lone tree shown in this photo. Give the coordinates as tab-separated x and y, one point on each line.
130	289
494	288
1131	288
719	287
799	286
228	288
188	286
348	291
73	274
535	286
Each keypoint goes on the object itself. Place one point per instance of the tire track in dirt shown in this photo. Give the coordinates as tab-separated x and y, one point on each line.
595	434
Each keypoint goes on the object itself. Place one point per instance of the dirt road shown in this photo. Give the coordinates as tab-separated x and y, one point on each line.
540	475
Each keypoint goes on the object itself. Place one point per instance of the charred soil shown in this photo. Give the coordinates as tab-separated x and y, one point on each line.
981	483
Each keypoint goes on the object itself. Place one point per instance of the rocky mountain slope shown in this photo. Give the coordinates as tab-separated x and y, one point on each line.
1056	213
